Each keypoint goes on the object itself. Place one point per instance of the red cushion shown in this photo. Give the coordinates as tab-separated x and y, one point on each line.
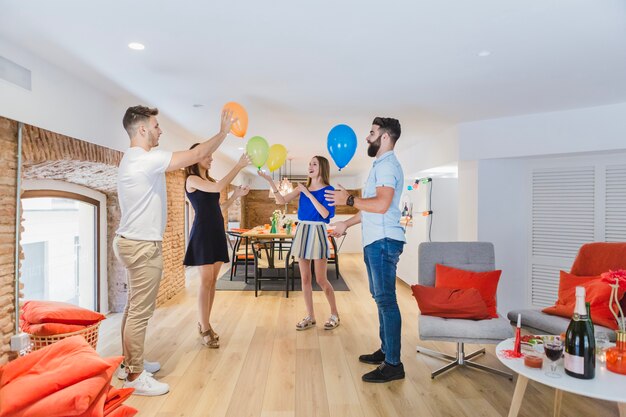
485	282
115	398
75	399
450	303
596	293
46	371
36	312
123	411
48	329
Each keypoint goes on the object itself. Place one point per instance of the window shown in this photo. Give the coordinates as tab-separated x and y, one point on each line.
60	243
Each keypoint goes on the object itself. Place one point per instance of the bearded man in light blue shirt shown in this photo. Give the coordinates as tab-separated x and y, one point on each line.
383	241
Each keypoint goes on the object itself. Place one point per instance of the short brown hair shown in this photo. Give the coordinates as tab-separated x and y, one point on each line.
390	126
324	170
135	115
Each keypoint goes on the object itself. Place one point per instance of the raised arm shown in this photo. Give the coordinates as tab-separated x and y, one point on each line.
183	159
196	183
280	199
378	204
239	192
323	211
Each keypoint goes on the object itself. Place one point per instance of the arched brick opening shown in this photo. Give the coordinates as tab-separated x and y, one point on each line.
48	155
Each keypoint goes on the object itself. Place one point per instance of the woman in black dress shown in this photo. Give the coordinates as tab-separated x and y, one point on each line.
207	247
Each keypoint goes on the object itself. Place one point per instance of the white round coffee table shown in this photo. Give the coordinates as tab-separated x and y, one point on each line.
605	386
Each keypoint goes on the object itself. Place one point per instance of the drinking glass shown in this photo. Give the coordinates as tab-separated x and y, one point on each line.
553	348
602	344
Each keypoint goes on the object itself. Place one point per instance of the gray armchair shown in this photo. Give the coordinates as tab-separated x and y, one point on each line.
472	256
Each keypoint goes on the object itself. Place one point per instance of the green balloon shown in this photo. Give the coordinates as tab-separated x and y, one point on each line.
258	150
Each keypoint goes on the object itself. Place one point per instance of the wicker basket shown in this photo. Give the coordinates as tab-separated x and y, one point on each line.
89	333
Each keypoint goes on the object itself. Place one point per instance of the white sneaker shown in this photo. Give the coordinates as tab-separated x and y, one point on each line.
151	367
146	385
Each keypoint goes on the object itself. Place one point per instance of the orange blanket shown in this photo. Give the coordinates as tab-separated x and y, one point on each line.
77	399
37	375
49	329
115	398
36	312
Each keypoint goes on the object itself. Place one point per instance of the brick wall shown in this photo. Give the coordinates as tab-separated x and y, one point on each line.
8	181
47	155
258	207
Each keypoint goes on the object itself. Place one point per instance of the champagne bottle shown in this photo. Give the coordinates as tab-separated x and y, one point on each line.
588	307
580	344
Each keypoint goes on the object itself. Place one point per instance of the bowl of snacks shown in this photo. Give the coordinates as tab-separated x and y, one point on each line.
532	342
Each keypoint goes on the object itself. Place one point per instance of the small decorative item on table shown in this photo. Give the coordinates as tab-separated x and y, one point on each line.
276	218
616	356
288	223
533	361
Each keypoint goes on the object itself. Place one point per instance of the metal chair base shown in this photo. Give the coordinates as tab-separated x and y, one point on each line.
460	360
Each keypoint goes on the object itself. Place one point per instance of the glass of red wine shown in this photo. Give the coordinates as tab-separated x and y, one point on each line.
553	347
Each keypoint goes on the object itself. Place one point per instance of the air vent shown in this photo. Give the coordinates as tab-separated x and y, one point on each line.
15	74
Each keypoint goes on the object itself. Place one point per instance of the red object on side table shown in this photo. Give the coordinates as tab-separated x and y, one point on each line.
517	347
616	356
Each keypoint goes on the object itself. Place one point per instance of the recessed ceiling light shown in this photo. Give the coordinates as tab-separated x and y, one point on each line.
484	53
198	105
136	46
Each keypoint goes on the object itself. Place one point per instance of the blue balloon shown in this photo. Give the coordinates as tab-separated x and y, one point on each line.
341	144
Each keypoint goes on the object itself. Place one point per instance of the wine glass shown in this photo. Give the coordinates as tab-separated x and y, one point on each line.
553	347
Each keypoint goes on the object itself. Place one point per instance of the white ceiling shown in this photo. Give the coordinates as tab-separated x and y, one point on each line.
301	67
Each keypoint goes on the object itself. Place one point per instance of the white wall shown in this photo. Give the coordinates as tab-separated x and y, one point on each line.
590	129
503	193
101	198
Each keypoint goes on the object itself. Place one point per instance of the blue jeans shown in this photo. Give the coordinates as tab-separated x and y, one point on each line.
381	259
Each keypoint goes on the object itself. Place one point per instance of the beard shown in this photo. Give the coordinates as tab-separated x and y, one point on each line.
373	147
154	140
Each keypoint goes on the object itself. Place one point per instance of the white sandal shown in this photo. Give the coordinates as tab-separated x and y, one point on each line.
305	323
332	322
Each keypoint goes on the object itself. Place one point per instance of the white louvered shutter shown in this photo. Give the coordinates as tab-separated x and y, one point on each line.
563	219
615	215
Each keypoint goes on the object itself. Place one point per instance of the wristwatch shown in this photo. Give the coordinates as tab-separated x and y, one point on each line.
350	200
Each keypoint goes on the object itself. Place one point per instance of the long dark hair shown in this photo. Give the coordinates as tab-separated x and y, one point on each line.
324	171
195	169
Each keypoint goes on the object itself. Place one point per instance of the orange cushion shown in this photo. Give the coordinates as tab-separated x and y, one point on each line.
596	258
75	399
36	312
450	303
123	411
47	329
596	293
46	371
115	398
485	282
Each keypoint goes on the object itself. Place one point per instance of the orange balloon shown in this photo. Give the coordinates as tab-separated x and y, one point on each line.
240	127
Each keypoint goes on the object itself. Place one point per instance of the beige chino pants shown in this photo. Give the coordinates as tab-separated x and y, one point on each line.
143	261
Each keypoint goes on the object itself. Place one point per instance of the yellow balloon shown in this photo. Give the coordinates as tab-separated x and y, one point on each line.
277	157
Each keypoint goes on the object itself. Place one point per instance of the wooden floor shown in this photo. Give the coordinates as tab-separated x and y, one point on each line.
266	368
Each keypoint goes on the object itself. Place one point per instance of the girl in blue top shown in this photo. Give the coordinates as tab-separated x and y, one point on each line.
310	244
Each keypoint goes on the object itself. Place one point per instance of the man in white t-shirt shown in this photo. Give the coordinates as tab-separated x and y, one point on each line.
137	245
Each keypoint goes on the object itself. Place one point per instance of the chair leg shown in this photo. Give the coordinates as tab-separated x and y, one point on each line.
286	278
460	360
435	354
337	265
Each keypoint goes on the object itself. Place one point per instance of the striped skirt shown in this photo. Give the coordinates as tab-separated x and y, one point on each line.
310	241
